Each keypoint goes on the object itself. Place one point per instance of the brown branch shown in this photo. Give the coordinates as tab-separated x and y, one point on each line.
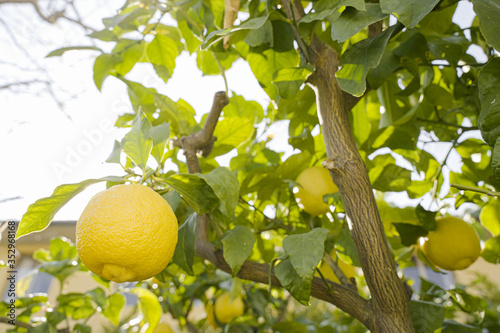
391	311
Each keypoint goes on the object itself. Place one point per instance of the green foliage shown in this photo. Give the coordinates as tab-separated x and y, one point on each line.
422	100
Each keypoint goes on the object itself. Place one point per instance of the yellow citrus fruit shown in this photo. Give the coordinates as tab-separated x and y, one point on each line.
163	328
453	245
126	233
211	316
315	183
327	272
226	310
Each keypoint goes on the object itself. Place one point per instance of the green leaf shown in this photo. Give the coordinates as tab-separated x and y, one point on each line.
225	186
82	328
467	303
62	50
159	135
62	248
409	233
114	157
451	326
131	51
390	178
289	80
43	328
353	21
195	190
427	218
289	327
346	248
264	64
489	95
294	165
60	269
299	288
137	143
186	243
426	316
179	114
488	12
490	216
76	305
237	244
305	251
491	252
358	59
408	12
162	52
191	41
113	307
40	214
103	65
149	306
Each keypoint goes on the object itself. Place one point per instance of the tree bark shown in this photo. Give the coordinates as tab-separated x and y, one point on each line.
390	303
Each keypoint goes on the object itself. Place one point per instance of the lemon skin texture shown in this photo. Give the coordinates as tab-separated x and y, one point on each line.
126	233
454	245
163	328
226	310
315	183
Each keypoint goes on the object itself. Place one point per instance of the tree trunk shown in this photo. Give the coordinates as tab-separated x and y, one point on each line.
390	302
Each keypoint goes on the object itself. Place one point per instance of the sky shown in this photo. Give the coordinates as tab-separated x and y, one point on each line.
42	146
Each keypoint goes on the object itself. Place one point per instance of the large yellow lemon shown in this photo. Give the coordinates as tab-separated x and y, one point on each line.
327	272
163	328
226	310
126	233
453	245
315	183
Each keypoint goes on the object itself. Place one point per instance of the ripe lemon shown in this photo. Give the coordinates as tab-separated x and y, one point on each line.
126	233
327	272
315	183
453	245
226	310
163	328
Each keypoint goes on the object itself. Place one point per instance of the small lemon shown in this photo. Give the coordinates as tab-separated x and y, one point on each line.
226	310
163	328
454	245
126	233
315	183
327	272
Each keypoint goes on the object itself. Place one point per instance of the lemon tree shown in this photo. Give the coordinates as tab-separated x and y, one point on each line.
381	104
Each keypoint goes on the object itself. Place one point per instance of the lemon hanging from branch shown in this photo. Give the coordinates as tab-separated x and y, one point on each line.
126	233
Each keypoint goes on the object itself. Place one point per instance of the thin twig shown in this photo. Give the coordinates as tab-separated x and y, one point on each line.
338	271
475	189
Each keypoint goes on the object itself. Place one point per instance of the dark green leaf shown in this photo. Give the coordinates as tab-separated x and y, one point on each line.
238	245
451	326
489	94
352	21
427	218
488	12
346	248
41	213
294	165
82	328
408	12
358	59
225	186
409	233
61	51
299	288
305	251
289	80
289	327
186	243
195	190
426	316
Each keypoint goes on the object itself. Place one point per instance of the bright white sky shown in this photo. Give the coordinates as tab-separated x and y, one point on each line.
40	148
